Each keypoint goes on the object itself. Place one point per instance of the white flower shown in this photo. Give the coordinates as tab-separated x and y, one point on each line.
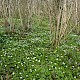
34	79
57	55
30	70
54	63
51	62
1	63
41	55
78	67
74	76
28	58
17	66
63	72
37	74
73	66
61	56
20	73
55	67
52	66
63	63
66	66
49	69
20	77
32	65
36	60
33	61
18	62
39	61
5	65
34	57
59	67
26	75
57	59
35	69
13	73
33	53
24	62
64	51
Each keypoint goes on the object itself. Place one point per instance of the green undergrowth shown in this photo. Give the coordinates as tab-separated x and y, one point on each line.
31	57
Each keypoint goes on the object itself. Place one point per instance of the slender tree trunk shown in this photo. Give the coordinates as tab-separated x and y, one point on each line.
64	20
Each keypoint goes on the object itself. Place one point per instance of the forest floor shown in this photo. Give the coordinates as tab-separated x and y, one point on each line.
32	58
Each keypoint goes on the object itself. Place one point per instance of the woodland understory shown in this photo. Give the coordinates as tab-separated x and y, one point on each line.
39	39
